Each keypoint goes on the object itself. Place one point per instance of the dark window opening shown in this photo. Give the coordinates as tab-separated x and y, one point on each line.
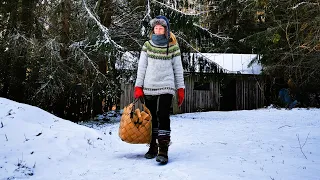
202	86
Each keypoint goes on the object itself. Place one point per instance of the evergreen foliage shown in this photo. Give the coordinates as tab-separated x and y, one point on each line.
67	56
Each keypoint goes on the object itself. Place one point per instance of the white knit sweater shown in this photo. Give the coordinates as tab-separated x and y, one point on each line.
159	73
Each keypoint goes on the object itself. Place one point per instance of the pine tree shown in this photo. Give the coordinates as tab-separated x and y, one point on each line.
289	45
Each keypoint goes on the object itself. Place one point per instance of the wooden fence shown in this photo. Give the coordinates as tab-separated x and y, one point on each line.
127	96
250	92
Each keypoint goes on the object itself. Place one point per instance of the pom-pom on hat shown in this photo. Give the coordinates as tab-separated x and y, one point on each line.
162	20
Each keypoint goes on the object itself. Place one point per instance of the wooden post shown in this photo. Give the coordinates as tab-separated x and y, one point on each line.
175	108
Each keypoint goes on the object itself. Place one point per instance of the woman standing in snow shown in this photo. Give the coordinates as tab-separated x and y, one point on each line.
159	75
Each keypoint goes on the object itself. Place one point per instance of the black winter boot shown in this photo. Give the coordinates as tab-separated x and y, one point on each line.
152	152
153	149
163	151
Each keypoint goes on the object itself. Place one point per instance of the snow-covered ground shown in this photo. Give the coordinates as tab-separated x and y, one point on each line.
256	144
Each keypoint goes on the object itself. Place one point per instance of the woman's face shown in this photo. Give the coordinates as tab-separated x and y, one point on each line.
158	29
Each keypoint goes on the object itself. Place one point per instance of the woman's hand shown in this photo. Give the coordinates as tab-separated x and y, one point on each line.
138	92
180	96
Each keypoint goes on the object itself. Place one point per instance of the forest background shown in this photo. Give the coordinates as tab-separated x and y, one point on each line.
55	53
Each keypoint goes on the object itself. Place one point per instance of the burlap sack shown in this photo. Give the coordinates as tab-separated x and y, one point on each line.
135	126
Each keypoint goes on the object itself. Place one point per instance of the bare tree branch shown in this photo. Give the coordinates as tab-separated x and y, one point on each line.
284	126
303	144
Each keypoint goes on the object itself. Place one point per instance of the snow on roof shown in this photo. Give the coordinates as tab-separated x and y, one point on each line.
232	63
235	63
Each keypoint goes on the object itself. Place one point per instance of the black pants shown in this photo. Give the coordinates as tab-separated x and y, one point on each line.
159	107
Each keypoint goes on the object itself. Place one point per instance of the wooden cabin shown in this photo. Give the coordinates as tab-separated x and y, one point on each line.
214	92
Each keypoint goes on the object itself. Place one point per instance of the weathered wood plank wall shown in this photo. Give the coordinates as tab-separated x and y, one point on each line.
249	92
127	96
199	100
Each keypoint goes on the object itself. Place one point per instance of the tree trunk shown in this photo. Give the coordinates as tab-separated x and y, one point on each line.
18	86
65	18
12	8
105	12
15	80
106	63
62	100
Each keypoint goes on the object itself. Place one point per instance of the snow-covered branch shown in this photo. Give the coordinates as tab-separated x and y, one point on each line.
124	16
198	52
46	84
92	63
305	3
105	30
214	8
17	36
212	34
169	7
148	11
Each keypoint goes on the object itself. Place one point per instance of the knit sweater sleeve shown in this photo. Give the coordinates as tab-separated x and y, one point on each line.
142	66
178	70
